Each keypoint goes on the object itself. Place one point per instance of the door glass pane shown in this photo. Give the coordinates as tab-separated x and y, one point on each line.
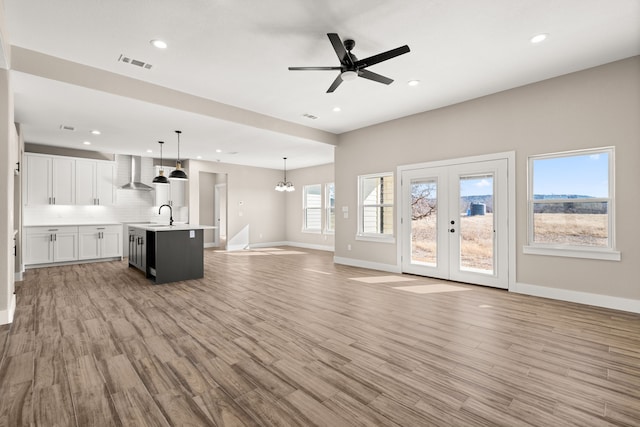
424	221
476	224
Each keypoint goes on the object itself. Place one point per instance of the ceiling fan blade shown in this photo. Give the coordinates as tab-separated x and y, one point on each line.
314	68
335	84
343	56
375	77
382	56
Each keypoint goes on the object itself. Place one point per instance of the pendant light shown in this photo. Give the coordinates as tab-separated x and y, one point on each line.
178	173
285	185
161	179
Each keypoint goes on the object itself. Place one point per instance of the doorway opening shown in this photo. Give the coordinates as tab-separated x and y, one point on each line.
213	208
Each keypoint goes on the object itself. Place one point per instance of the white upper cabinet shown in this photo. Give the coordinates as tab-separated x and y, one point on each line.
172	194
94	182
105	176
50	180
57	180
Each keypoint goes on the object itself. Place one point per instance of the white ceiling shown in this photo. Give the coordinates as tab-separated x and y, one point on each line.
237	53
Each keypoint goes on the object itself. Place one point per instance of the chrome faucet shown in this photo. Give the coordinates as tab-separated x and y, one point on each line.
170	213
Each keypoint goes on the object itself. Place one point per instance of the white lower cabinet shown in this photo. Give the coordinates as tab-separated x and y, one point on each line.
51	244
102	241
48	245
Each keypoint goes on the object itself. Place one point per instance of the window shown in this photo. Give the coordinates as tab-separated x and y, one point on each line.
312	206
571	204
375	210
330	208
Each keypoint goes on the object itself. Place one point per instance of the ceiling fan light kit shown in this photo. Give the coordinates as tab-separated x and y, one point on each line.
351	67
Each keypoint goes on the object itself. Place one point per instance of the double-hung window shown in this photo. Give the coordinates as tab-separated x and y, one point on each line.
375	210
330	208
312	206
571	204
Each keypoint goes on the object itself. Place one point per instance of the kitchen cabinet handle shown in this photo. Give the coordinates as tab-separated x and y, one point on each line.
98	201
100	228
55	237
51	237
49	200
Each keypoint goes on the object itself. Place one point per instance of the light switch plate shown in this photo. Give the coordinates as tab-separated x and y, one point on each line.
192	234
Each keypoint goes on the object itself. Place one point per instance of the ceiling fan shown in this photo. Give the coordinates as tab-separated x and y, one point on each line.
350	67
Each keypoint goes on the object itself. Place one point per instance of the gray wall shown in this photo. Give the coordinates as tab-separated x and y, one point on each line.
323	174
255	212
592	108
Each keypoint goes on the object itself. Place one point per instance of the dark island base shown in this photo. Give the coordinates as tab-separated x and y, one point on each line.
175	255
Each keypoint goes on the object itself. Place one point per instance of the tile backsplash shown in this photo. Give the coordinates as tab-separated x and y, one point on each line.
130	206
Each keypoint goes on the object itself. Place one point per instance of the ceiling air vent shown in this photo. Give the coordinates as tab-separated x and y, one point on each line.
136	62
67	127
310	116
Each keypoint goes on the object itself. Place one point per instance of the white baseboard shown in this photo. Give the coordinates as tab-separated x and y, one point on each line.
311	246
606	301
6	316
294	244
367	264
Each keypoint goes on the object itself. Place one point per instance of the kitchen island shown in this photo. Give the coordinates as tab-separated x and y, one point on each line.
167	253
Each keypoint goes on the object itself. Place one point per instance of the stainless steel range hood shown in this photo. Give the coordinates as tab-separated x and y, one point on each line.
134	180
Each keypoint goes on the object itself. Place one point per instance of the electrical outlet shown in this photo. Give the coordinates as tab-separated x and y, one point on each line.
348	247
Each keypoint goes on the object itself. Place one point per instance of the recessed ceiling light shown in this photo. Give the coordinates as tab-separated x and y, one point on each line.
199	157
539	38
149	151
218	150
337	109
160	44
95	132
413	82
87	143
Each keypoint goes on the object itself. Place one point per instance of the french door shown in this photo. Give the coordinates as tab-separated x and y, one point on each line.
455	222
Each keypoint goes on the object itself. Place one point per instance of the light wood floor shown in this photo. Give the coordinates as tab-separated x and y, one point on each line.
287	338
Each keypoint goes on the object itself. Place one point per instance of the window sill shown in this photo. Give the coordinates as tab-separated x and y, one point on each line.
375	238
312	231
603	254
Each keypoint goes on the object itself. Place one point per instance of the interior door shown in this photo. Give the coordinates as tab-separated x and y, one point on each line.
454	222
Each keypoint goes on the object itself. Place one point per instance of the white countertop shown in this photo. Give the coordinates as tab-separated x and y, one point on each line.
174	227
72	224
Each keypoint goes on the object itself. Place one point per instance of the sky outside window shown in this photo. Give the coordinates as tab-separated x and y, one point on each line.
586	175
